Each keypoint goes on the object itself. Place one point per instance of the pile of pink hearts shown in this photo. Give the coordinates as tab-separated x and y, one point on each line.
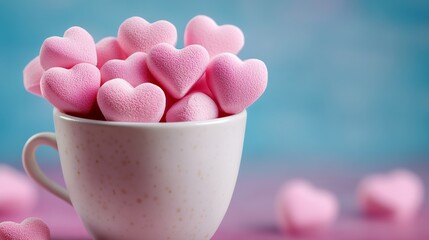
140	76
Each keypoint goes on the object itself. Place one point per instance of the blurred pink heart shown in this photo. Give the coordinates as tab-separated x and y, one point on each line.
120	101
29	229
134	70
33	72
137	35
177	70
18	195
304	209
397	195
72	90
216	39
77	46
236	84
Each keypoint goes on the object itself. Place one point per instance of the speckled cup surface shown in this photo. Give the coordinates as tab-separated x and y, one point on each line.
145	180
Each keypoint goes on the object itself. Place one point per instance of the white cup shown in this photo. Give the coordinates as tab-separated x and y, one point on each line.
144	180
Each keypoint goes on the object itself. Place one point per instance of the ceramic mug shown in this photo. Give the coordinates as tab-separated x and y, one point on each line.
144	180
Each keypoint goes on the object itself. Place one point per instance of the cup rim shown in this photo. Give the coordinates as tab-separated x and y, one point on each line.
67	117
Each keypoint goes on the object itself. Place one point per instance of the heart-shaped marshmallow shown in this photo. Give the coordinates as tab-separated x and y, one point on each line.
177	70
18	195
134	69
201	86
194	107
77	46
304	209
236	84
216	39
107	49
29	229
72	90
137	35
32	74
119	101
397	195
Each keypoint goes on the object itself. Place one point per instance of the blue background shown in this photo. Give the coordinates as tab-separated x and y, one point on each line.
348	80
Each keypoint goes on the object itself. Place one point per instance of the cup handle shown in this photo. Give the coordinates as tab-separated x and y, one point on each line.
32	167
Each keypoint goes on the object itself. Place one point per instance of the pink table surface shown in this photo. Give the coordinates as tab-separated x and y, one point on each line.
251	213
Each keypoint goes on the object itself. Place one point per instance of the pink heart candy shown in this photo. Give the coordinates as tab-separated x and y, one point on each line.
397	195
18	195
194	107
236	84
201	86
77	46
32	75
120	101
134	70
177	70
169	101
72	90
29	229
304	209
137	35
107	49
216	39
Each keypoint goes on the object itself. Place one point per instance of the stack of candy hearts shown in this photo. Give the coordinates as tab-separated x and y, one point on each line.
140	76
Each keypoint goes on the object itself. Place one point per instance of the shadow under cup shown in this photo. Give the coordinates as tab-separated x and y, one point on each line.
144	180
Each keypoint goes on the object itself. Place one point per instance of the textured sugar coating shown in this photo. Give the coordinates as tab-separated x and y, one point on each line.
236	84
177	70
134	69
18	195
32	74
107	49
397	195
137	35
119	101
194	107
303	209
72	91
216	39
77	46
30	229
